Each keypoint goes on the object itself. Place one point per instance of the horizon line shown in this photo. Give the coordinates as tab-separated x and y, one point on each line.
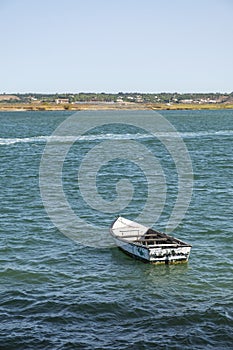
114	93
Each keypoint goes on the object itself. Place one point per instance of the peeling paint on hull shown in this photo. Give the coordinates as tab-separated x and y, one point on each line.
164	262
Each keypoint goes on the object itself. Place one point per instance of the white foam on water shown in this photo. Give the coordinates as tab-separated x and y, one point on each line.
109	136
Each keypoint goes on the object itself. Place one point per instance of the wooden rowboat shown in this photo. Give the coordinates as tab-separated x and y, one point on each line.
147	244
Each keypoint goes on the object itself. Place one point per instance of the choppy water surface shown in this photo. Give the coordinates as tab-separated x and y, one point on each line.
57	294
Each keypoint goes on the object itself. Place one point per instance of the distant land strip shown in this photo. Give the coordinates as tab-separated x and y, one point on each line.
110	101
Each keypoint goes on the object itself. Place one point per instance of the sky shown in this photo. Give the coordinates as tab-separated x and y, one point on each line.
54	46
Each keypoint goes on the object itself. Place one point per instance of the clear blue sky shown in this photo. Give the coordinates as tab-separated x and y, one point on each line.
116	45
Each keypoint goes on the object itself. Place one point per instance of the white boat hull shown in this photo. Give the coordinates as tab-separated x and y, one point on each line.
148	245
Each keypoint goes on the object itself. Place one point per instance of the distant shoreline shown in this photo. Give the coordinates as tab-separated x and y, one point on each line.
6	107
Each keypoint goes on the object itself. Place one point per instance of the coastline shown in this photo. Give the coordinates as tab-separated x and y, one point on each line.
6	107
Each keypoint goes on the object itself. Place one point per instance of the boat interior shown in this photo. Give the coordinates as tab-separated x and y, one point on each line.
152	238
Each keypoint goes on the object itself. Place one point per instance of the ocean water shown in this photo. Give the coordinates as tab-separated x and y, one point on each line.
60	293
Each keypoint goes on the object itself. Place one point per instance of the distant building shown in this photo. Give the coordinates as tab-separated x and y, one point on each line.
139	98
59	101
186	101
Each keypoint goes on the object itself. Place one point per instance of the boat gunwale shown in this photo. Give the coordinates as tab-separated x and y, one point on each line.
152	246
175	242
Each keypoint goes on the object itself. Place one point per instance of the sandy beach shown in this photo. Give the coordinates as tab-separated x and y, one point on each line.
108	106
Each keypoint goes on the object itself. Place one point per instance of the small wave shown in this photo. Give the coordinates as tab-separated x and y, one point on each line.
93	137
11	141
189	134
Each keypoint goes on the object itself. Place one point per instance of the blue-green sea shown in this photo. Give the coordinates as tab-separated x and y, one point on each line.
58	293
